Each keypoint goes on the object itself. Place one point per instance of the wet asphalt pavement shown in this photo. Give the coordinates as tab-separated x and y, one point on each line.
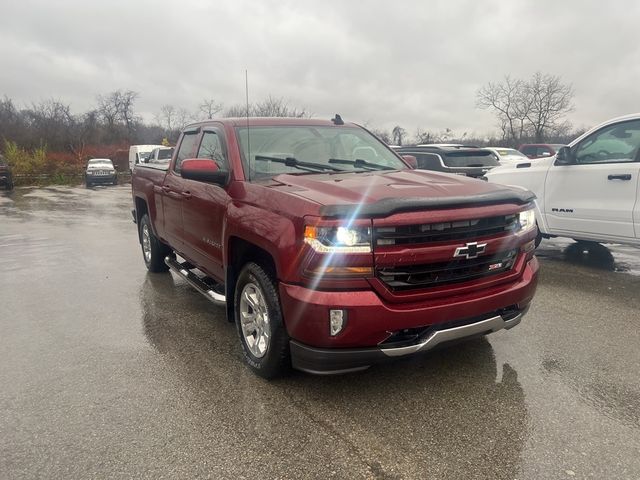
109	372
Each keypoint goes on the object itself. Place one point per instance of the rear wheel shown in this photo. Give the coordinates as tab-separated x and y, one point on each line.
264	338
153	250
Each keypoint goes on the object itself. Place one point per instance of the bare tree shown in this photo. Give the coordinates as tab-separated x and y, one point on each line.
398	134
424	136
116	109
125	104
277	107
511	104
182	118
53	121
381	134
209	108
270	107
237	111
549	101
167	117
108	109
533	107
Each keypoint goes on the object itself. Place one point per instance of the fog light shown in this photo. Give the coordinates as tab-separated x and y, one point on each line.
337	321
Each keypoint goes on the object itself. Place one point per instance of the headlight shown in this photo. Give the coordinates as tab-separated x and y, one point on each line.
527	220
338	239
90	172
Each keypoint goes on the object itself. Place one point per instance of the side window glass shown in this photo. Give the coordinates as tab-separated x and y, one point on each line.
211	147
544	152
529	150
428	161
613	144
187	149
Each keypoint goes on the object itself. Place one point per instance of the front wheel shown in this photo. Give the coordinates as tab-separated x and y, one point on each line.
153	250
264	338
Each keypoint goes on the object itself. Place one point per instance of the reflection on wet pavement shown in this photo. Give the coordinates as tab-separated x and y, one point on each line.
447	413
611	257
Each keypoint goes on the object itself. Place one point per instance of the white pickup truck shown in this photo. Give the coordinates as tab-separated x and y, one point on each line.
590	190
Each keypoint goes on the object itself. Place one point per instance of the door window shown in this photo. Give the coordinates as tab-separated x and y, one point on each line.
211	147
613	144
428	161
187	148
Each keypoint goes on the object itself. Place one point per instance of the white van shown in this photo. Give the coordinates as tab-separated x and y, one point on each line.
139	154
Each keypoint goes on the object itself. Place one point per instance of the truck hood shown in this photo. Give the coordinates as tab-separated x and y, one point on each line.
375	194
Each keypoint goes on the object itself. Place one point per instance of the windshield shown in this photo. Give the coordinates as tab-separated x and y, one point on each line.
510	152
480	158
315	149
165	154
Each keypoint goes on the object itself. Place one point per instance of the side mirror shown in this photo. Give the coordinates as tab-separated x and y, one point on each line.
411	161
563	157
203	170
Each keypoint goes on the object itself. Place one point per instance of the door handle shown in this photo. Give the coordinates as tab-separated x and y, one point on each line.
166	188
186	195
624	176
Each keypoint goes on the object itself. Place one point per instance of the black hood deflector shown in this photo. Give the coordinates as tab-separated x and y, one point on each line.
389	206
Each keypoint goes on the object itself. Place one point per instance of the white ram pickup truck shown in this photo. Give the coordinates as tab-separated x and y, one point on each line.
590	190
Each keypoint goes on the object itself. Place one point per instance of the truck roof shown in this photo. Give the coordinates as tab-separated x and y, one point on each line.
270	121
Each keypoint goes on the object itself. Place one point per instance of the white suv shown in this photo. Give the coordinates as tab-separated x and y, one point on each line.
589	190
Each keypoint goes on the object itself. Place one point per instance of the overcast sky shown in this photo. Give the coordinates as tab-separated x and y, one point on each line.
411	63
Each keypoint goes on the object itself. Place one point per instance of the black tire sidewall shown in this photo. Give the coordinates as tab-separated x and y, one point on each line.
158	250
276	361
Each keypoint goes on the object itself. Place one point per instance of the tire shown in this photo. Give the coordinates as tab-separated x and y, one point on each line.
585	243
153	250
538	238
115	181
256	295
89	184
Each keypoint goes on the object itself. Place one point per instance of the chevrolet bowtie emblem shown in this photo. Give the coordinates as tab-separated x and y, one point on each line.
470	250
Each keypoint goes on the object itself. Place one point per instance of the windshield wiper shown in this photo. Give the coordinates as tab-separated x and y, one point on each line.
295	163
358	162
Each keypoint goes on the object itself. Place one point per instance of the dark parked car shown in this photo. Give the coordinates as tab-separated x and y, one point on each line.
540	150
6	178
449	158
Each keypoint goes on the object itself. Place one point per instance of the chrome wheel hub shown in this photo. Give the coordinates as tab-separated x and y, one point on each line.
146	243
254	320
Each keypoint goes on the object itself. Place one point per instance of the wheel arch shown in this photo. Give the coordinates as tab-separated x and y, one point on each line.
239	253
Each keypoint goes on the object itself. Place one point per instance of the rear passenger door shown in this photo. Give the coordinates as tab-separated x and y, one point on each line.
204	211
173	190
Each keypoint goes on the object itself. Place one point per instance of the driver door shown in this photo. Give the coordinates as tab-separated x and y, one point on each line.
204	211
596	194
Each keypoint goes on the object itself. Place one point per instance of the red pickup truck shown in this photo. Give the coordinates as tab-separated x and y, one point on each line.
330	252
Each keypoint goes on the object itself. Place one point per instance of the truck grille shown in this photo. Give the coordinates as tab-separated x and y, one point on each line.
444	273
444	231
